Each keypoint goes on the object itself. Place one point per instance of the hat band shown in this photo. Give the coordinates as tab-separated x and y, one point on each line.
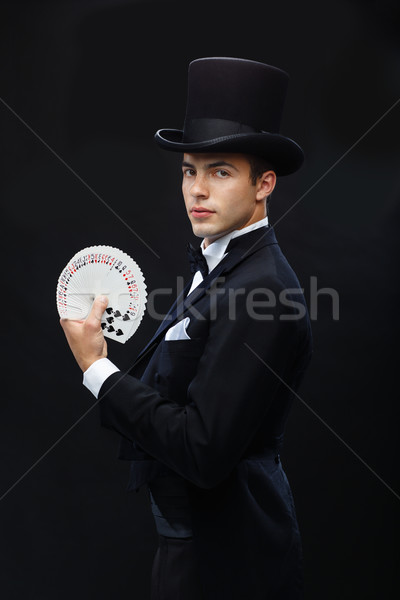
200	130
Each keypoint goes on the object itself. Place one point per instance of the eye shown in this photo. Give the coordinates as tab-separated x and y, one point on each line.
222	173
189	172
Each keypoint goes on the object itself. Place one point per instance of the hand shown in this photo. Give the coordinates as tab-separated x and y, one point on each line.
85	338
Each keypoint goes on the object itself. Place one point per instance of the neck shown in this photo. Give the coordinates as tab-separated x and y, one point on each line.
252	222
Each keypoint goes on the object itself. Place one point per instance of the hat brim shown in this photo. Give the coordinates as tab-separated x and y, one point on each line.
284	154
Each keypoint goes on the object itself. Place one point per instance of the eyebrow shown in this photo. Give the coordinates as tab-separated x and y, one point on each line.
218	163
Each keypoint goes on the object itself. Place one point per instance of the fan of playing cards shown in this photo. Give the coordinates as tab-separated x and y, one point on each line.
106	271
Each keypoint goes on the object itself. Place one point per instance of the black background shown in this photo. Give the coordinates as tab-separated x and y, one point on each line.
84	86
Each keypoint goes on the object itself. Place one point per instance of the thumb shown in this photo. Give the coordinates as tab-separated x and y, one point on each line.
98	308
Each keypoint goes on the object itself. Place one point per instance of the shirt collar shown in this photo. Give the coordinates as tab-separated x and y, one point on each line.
215	252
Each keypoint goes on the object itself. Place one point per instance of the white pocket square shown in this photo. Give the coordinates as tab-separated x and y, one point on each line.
178	331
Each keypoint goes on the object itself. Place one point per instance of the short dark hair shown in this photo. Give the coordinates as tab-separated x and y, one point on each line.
258	166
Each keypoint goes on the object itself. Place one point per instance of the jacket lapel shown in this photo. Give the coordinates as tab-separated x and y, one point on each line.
166	322
238	249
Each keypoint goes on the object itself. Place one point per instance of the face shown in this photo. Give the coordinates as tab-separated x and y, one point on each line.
219	195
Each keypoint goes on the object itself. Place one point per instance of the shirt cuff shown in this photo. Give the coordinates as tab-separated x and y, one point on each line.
97	373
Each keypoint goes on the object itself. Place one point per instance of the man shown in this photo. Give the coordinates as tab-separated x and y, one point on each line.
202	412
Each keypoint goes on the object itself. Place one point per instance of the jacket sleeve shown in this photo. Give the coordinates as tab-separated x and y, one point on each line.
239	372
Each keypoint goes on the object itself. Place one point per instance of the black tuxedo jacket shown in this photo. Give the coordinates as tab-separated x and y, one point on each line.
213	409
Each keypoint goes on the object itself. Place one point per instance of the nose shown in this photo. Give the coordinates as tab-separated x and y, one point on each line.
199	188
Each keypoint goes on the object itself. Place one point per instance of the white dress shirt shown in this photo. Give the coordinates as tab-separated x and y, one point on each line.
100	370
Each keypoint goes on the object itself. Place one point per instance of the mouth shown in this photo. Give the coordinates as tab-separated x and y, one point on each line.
199	212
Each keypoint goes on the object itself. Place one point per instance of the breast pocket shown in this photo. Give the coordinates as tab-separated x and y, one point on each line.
190	348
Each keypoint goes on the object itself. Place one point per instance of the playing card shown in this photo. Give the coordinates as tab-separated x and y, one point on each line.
106	271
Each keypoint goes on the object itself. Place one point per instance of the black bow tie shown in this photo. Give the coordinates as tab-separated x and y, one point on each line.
197	260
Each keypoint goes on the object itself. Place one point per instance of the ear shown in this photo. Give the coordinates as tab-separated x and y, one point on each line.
265	185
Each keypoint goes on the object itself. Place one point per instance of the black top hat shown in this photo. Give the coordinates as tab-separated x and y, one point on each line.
235	105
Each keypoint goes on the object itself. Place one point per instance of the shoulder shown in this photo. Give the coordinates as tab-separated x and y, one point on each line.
262	287
265	267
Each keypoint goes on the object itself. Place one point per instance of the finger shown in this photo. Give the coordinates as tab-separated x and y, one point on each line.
64	322
98	308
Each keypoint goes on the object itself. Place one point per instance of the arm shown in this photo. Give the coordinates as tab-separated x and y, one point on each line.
226	400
